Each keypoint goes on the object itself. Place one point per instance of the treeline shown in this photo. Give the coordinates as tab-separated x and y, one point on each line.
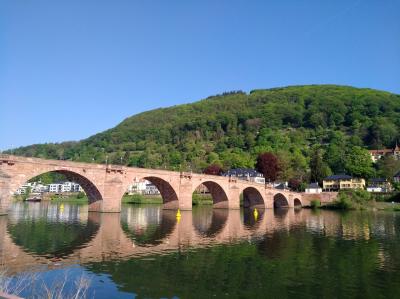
232	129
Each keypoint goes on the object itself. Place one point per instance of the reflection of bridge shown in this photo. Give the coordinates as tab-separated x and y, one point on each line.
106	184
113	241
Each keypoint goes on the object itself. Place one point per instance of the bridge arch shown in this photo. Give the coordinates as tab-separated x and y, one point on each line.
252	198
92	191
280	201
167	192
217	192
297	203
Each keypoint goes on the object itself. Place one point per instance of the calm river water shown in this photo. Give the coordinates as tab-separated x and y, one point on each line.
147	252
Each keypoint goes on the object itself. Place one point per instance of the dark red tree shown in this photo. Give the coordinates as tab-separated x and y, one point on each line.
268	165
213	169
294	184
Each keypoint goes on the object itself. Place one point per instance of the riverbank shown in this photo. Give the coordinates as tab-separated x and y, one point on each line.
198	199
360	200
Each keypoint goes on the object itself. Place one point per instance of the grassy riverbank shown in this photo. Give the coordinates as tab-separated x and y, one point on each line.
81	198
361	200
198	199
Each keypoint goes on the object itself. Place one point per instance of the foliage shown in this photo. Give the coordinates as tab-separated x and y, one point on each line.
141	199
268	165
358	163
352	199
199	199
387	167
315	203
232	129
213	169
319	169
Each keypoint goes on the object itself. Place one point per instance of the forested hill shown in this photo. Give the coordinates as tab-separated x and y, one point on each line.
231	129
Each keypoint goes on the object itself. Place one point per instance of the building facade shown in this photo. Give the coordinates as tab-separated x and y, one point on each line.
376	155
341	182
246	174
313	188
379	185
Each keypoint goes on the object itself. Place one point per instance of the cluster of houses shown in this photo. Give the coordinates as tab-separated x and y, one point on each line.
143	187
378	154
338	182
59	187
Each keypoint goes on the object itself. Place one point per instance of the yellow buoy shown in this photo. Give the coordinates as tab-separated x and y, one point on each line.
178	215
255	214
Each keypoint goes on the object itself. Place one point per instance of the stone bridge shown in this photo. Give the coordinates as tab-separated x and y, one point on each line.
106	184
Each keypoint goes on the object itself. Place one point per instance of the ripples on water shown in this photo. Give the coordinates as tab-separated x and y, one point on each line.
206	252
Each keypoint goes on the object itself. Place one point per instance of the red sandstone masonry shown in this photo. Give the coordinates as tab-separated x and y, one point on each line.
106	184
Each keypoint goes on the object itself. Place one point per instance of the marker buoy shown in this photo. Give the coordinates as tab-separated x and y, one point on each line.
255	214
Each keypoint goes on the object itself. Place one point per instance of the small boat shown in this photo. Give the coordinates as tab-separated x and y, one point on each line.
34	198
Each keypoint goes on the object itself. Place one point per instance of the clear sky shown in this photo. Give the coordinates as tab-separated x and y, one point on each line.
69	69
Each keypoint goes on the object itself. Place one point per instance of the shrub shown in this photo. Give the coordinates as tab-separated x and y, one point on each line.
315	203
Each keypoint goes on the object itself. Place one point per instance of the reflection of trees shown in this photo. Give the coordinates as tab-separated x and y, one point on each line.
149	225
49	230
295	261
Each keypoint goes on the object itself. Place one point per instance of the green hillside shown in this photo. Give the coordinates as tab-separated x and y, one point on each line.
233	128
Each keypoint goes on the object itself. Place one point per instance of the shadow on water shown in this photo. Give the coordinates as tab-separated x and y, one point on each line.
208	222
147	225
51	230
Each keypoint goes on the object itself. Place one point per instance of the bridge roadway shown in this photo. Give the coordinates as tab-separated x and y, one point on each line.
106	184
111	241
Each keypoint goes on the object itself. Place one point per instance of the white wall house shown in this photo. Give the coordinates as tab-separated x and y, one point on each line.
137	187
313	188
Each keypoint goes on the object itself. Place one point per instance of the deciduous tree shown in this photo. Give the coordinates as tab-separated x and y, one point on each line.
268	165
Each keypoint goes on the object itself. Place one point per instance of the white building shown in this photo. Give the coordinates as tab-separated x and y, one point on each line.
144	187
137	187
246	174
313	188
64	187
151	189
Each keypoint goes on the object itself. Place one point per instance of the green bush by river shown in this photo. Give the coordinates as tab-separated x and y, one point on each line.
363	200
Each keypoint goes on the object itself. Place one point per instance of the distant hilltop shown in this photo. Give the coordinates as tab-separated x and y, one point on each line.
231	129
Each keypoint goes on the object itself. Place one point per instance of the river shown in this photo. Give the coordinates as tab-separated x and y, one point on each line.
147	252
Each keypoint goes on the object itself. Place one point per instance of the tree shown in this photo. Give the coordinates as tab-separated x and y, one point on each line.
388	166
358	163
294	184
319	169
268	165
213	169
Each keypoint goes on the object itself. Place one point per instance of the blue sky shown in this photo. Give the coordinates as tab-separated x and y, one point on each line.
70	69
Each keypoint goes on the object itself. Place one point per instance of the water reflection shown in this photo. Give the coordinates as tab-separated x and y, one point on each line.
36	233
147	225
252	218
208	222
51	230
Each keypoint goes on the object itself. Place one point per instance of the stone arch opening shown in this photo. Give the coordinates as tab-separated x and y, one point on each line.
216	192
252	198
297	203
280	201
163	189
92	192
